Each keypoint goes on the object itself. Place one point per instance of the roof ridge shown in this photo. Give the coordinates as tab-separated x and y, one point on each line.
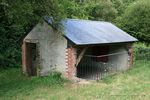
87	20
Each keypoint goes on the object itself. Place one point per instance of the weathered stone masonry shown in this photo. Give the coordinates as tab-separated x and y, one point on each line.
24	57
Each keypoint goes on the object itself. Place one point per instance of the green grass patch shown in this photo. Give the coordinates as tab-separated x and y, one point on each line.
13	83
133	84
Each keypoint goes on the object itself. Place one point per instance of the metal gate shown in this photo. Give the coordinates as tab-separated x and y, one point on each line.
97	67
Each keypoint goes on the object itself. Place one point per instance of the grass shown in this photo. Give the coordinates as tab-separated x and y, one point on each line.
133	84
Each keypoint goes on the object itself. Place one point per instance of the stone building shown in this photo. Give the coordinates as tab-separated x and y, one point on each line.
84	49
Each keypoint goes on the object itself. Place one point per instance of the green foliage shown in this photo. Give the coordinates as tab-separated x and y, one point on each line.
75	9
104	10
13	82
121	5
17	18
141	52
136	20
89	9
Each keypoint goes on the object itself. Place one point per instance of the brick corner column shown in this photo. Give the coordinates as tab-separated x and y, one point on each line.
70	62
130	55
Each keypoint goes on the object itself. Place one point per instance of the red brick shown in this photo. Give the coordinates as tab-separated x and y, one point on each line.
70	62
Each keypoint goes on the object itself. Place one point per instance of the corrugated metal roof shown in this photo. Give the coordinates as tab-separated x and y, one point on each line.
83	32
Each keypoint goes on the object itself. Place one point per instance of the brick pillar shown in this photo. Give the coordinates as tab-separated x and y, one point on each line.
70	62
130	55
24	68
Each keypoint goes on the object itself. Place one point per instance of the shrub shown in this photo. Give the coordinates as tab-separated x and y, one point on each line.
141	52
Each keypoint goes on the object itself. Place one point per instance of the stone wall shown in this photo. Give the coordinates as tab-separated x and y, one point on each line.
51	46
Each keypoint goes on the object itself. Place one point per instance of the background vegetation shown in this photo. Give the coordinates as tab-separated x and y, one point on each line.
18	17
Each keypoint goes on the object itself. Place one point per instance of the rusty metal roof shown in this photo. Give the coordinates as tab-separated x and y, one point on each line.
82	32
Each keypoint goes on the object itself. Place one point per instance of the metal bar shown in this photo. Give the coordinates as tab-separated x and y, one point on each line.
107	54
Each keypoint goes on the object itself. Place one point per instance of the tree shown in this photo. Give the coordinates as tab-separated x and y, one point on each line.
104	10
136	20
17	18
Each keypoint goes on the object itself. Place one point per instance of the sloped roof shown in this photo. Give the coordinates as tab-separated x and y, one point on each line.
82	32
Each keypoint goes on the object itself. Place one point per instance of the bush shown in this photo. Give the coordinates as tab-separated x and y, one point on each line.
141	52
6	63
136	20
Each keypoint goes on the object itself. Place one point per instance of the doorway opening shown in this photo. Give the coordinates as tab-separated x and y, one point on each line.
31	53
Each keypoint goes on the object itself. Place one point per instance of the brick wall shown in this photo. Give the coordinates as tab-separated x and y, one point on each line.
70	62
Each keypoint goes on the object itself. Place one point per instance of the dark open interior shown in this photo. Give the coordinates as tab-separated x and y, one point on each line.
93	64
31	59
